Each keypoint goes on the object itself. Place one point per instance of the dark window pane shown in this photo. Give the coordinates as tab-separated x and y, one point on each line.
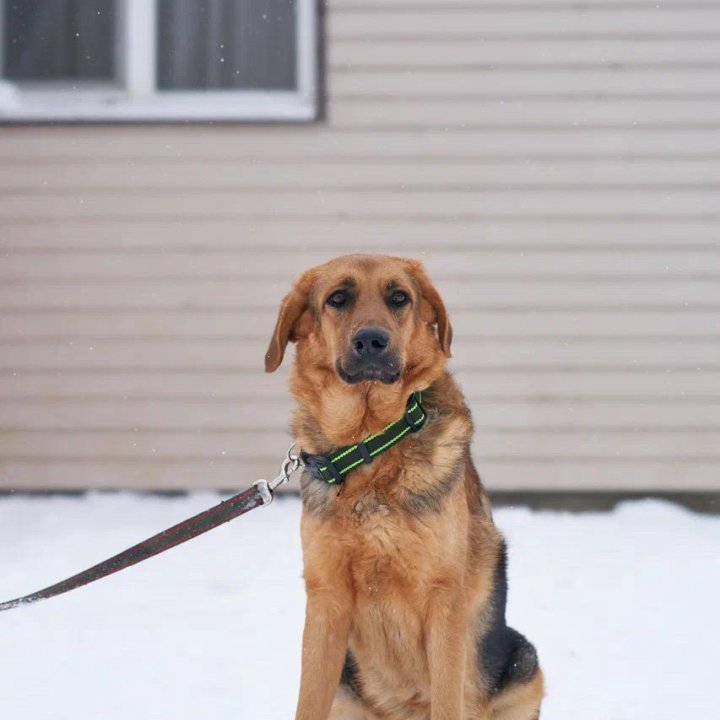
226	44
59	39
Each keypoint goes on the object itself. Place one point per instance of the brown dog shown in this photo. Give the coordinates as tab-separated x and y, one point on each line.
404	568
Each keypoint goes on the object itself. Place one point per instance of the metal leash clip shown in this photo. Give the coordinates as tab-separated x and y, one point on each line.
288	466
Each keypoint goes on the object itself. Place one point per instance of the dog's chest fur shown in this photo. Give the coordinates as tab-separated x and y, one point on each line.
396	531
397	554
389	519
396	549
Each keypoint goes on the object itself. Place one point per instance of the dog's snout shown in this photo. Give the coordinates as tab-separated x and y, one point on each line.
370	341
369	358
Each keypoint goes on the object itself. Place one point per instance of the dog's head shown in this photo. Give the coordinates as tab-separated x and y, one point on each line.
364	319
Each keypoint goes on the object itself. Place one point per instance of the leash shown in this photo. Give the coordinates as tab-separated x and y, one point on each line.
259	494
331	469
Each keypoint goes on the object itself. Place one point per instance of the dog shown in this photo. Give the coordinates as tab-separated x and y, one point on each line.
404	569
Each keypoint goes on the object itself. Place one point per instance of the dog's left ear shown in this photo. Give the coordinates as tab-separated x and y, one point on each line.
433	299
294	321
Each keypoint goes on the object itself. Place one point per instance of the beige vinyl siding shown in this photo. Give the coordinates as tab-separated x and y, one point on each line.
555	164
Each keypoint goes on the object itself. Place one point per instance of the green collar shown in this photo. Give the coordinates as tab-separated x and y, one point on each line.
332	469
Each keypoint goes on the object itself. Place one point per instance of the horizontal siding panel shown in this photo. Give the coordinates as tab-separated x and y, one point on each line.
600	473
420	112
554	290
568	416
699	444
517	175
514	6
228	388
110	415
606	203
147	142
532	21
575	113
427	82
685	396
618	52
590	473
279	237
254	265
252	144
468	356
543	415
493	325
77	474
488	443
529	390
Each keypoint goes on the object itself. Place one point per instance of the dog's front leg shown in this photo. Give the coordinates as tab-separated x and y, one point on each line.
446	648
325	641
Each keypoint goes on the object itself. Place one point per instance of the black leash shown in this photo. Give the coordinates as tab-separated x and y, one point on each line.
261	493
331	469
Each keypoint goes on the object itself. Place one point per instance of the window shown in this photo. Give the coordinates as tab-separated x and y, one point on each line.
143	60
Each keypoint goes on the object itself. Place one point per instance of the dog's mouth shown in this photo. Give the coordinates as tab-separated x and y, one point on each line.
386	371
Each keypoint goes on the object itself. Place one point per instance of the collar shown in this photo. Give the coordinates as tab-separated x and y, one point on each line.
332	469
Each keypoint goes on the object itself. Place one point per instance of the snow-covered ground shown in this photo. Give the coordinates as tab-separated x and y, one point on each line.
623	608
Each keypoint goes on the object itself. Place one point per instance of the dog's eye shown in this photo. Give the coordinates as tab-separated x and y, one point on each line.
338	299
399	298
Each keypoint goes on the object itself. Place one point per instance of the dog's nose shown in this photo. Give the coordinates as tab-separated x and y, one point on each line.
370	341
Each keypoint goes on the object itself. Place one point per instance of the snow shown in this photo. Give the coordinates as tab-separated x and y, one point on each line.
622	606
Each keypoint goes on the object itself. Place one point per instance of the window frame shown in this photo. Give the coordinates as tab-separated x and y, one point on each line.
139	100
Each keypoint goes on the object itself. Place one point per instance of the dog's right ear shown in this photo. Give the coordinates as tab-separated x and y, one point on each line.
294	321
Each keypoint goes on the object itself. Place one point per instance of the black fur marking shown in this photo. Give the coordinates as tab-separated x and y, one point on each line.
505	656
350	677
522	664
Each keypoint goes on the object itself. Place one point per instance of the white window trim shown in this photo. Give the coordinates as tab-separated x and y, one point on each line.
139	101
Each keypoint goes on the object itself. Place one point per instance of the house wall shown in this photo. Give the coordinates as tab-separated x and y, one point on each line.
555	164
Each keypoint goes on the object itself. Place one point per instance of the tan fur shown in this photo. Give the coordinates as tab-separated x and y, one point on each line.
399	561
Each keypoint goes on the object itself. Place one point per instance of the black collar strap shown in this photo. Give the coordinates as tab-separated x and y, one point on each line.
333	469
